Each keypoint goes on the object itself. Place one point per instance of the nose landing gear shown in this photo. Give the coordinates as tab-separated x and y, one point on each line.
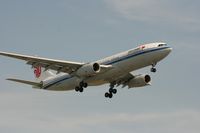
153	69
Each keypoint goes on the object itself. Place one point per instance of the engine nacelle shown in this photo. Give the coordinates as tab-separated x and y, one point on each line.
89	70
139	81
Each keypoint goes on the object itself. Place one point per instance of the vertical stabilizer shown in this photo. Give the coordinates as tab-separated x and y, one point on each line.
41	74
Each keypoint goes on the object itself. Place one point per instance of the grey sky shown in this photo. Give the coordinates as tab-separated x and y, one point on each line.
89	30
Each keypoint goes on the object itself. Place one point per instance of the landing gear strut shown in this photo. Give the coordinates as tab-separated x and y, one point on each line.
153	69
111	91
81	86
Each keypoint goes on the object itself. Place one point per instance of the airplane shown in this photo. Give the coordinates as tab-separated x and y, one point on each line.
61	75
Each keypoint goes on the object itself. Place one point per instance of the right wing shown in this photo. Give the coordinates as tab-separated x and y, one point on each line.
57	65
140	80
122	80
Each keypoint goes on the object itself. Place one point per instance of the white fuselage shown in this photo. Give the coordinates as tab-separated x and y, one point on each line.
122	64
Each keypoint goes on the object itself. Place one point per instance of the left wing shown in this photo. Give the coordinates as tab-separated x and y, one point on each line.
35	84
57	65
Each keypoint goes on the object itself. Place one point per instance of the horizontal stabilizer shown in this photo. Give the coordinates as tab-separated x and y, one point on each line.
35	84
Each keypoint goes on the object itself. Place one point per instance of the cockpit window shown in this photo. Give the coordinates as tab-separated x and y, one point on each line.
160	45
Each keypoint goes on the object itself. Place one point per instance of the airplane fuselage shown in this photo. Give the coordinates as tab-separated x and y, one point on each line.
122	63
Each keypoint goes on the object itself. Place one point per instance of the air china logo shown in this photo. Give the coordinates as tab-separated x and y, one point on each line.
142	47
37	71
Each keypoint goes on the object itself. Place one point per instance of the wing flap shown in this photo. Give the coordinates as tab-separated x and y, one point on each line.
35	84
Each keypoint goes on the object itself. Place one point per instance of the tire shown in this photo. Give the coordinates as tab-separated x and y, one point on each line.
76	89
110	95
81	89
153	70
106	94
114	91
85	85
111	90
81	84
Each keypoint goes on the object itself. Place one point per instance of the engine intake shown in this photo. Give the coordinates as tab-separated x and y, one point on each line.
139	81
89	70
96	67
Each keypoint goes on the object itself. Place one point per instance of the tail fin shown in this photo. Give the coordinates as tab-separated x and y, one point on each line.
41	74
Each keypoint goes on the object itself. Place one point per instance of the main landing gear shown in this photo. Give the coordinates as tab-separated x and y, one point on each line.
81	86
111	92
153	69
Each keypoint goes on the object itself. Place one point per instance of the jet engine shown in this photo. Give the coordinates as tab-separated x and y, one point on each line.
89	70
139	81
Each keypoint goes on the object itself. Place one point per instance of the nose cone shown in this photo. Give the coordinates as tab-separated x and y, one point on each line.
163	53
167	51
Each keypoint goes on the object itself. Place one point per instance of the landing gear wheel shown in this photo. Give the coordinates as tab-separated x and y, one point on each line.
107	94
77	89
110	95
85	85
153	70
81	89
114	91
110	90
81	84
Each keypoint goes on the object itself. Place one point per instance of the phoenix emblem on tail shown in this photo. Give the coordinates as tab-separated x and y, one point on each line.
37	71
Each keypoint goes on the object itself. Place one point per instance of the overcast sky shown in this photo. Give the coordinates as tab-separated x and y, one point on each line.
87	30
